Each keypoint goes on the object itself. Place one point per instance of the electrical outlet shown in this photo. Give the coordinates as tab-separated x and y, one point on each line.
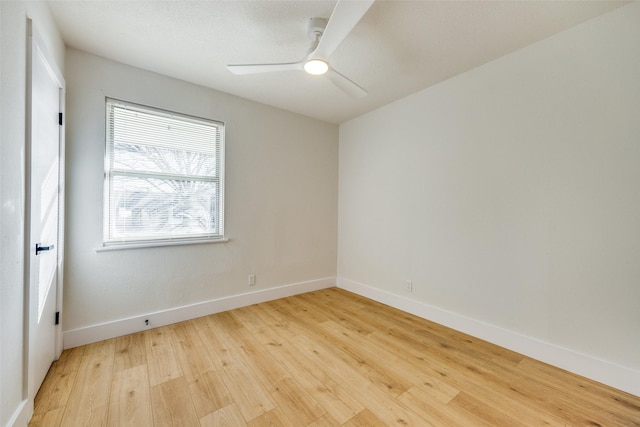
408	284
252	279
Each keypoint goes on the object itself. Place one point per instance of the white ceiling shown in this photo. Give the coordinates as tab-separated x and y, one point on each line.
398	48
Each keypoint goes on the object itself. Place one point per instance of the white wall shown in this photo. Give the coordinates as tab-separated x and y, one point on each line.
281	204
510	195
13	35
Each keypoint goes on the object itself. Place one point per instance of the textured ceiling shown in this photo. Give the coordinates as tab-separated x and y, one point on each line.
398	48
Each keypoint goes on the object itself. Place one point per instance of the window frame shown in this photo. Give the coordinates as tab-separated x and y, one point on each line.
129	242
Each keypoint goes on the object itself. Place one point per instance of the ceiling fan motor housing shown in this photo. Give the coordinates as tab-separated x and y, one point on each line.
316	27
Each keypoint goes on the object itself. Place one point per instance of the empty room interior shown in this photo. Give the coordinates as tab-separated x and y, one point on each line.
319	213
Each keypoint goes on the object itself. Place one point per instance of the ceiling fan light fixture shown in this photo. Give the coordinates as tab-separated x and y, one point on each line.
316	67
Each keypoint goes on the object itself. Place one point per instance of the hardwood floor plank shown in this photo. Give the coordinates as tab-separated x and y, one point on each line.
530	395
229	416
130	352
312	377
442	379
358	383
130	396
247	317
171	404
392	412
365	418
274	418
482	413
603	399
215	349
325	420
56	387
304	309
188	351
249	388
269	371
435	389
432	334
88	402
294	312
249	396
470	378
378	370
298	405
326	358
285	326
348	300
161	356
433	411
209	393
339	314
52	418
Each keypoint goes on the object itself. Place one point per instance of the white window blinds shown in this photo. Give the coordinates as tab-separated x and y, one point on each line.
164	175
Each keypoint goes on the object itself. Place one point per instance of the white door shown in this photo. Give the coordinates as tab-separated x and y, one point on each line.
43	180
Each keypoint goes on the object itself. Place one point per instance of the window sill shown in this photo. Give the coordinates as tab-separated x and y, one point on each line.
141	245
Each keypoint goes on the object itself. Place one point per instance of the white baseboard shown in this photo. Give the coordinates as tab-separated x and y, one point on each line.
116	328
608	373
22	415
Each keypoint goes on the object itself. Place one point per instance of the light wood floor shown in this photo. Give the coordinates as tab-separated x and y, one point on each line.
326	358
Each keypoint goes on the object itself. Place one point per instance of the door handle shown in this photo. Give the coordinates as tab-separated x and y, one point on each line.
40	248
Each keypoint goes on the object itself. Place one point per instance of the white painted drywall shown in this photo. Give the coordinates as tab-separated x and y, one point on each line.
13	42
510	194
281	200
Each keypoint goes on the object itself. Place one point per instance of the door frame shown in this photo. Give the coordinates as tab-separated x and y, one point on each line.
36	45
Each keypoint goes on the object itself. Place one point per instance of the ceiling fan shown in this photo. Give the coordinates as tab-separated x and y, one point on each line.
326	37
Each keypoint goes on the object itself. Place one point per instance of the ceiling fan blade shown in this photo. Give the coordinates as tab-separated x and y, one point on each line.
345	16
242	69
346	85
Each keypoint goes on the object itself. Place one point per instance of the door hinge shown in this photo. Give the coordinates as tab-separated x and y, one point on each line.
60	119
57	318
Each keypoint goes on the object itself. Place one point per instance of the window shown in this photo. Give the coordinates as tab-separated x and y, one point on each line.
164	176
